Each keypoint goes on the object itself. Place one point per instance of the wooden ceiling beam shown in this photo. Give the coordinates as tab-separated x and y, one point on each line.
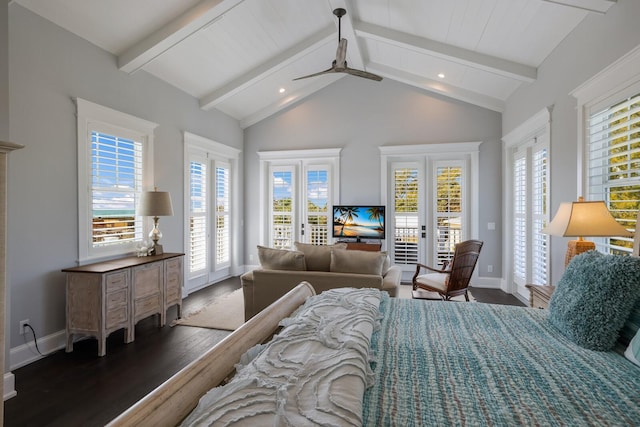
492	64
169	35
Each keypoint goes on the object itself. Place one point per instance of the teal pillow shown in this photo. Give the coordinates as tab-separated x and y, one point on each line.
594	298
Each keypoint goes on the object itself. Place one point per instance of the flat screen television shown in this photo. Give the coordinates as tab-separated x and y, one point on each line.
359	222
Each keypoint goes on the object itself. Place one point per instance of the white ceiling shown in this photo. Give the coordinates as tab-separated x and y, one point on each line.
235	55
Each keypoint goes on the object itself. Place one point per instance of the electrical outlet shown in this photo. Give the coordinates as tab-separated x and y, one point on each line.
489	268
22	325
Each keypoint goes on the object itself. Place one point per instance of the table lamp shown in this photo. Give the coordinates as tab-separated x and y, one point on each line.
156	204
579	219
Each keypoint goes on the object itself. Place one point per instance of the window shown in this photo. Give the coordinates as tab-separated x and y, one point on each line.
613	136
527	151
198	230
406	216
317	209
448	215
113	169
282	221
222	214
301	187
609	114
530	216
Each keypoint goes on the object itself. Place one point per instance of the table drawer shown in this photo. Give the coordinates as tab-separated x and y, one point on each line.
147	306
116	281
116	317
116	299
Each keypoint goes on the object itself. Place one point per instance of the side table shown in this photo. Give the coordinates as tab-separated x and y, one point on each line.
540	295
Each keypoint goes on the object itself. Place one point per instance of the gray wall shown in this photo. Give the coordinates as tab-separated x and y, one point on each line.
597	42
359	116
47	67
4	70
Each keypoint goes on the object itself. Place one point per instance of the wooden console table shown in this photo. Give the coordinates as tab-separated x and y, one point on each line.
539	295
111	295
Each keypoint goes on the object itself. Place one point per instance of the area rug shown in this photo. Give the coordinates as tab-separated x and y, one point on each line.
226	312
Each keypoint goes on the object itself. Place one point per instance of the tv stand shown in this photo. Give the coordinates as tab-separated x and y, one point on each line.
362	246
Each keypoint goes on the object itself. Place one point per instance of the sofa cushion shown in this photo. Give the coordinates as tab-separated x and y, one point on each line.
281	259
594	298
359	262
317	257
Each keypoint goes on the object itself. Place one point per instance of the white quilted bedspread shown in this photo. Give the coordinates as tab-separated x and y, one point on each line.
314	372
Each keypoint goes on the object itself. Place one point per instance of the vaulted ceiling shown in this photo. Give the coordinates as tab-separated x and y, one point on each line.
241	56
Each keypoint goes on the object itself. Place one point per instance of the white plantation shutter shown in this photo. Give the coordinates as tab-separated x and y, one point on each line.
449	214
614	165
116	183
406	219
520	218
222	215
539	250
198	203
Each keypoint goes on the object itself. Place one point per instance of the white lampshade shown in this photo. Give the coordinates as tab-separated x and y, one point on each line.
581	219
155	203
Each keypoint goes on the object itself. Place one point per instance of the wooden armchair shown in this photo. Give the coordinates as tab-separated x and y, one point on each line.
448	282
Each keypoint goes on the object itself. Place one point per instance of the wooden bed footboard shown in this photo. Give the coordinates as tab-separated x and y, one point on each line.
174	399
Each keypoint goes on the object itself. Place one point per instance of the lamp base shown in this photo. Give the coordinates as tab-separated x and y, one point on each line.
575	247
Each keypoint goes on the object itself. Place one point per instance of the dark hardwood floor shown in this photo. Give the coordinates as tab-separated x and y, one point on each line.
82	389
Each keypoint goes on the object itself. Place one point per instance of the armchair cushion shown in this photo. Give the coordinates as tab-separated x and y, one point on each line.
359	262
318	257
280	259
437	281
594	298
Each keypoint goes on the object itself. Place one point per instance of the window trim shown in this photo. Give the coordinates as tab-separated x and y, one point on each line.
121	124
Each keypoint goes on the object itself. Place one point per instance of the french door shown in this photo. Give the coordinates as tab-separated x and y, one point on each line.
209	212
428	211
300	203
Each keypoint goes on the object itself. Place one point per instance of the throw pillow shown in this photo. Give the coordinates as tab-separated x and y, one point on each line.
359	262
317	257
594	298
281	259
633	351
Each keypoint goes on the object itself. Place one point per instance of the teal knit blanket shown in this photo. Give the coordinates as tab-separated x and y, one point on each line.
477	364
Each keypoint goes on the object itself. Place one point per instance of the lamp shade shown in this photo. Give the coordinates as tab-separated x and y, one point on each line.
580	219
155	203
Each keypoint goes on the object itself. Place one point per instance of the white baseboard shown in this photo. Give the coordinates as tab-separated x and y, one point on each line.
27	353
9	386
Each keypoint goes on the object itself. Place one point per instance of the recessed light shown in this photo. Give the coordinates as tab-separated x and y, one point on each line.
441	75
281	90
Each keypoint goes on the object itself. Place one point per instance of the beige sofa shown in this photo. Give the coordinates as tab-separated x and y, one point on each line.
324	267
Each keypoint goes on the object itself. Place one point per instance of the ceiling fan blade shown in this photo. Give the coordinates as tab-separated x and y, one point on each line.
327	71
365	74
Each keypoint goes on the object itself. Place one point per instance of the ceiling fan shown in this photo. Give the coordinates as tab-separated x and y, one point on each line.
339	65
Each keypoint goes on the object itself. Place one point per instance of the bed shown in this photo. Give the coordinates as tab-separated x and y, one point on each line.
414	362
